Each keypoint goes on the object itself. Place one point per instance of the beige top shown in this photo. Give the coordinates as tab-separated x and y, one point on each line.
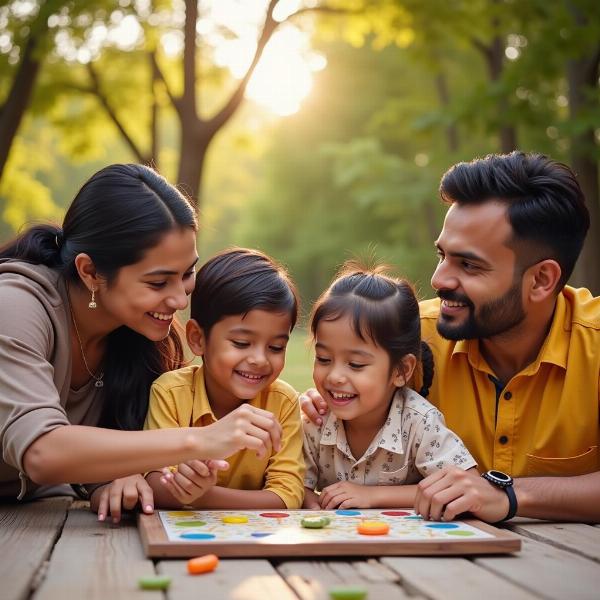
35	366
413	443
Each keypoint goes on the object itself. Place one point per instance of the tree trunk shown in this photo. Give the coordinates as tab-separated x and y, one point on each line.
444	97
11	113
582	75
192	153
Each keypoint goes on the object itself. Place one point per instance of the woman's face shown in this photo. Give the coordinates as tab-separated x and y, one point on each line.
145	296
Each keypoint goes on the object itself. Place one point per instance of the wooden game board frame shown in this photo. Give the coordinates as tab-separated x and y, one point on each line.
156	544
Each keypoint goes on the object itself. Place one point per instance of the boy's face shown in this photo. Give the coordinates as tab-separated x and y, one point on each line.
242	355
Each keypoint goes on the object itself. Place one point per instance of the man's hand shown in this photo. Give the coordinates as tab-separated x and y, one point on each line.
447	493
344	494
192	479
123	493
313	405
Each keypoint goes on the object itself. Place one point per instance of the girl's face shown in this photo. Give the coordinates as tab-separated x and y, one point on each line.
145	296
351	374
243	354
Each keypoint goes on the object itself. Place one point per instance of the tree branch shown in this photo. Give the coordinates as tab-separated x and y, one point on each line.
97	91
158	71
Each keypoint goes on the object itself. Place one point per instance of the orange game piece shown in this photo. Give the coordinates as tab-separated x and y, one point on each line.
373	528
202	564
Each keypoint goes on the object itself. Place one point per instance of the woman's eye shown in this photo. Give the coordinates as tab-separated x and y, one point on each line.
189	274
240	343
157	284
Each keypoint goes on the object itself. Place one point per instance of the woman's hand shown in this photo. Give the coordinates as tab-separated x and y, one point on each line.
192	479
313	405
123	493
245	427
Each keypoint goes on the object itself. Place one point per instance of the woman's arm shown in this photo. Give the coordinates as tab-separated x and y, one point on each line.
74	453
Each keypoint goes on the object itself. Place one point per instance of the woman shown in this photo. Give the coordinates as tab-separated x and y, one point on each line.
86	325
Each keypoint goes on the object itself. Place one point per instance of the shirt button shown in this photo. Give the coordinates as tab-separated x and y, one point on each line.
507	395
503	439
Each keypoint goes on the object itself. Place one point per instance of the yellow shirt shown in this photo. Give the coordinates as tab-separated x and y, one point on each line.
178	399
545	420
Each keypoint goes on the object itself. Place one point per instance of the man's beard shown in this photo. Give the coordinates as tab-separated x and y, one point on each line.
495	317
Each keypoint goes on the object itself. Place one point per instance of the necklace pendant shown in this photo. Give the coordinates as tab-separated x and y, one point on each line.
99	383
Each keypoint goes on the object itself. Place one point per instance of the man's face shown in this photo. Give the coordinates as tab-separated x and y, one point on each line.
477	277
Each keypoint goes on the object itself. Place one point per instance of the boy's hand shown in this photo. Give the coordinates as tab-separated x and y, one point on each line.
311	500
192	479
344	494
313	405
245	427
123	493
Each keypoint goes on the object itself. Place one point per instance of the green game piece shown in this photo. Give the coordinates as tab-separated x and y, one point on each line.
156	582
315	522
347	593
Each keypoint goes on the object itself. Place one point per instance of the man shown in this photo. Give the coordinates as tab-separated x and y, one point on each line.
517	352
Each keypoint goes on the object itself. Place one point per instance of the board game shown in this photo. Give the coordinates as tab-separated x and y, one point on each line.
264	533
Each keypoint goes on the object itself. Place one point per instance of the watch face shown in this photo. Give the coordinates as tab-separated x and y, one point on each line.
500	476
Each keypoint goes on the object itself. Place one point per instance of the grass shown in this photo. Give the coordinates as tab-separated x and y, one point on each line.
298	361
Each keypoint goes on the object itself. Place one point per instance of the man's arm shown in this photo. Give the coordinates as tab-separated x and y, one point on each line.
452	491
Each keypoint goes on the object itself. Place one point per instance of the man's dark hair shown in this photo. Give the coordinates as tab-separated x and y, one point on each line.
545	205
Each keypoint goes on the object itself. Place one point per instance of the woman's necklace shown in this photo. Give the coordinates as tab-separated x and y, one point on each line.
97	378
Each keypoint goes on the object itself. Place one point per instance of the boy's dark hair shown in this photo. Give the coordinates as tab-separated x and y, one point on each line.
382	308
545	205
116	217
239	280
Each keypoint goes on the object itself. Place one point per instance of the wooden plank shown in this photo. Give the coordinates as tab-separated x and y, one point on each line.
96	560
547	571
453	578
312	580
575	537
28	532
232	580
298	542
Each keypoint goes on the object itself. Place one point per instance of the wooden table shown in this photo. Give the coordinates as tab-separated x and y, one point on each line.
55	549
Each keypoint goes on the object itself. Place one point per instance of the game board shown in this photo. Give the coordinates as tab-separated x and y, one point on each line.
279	533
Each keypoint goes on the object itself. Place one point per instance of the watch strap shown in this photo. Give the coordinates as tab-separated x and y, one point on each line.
512	504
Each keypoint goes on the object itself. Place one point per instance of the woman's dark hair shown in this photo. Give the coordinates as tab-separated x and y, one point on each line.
546	207
239	280
381	308
116	217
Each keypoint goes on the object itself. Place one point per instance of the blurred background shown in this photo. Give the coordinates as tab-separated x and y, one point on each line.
314	130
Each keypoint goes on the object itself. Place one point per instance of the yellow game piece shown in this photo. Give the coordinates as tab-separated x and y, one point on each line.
373	528
235	519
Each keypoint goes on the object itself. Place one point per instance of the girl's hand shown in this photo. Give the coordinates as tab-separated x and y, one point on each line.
313	405
192	479
245	427
344	494
123	493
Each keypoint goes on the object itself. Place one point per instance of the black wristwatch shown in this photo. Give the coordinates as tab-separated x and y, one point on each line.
504	482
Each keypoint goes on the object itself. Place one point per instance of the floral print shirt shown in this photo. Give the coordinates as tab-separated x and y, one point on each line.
413	443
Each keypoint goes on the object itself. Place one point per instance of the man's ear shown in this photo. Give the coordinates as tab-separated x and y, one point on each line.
86	269
195	337
543	278
404	371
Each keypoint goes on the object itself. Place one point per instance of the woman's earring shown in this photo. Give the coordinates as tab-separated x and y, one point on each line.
92	303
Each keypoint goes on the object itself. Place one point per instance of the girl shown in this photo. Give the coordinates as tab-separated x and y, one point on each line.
379	433
243	308
87	323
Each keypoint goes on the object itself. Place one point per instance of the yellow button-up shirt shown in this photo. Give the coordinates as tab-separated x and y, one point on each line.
179	399
545	420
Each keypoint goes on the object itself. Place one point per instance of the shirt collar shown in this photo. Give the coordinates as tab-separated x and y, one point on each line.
201	406
389	437
554	349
